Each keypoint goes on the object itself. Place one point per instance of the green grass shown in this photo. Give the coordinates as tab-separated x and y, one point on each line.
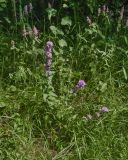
28	135
40	122
40	119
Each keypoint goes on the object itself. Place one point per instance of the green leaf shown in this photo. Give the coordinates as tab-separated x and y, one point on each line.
125	73
103	86
3	5
12	88
66	21
65	6
126	40
1	9
51	13
56	31
62	43
7	20
45	96
2	1
2	104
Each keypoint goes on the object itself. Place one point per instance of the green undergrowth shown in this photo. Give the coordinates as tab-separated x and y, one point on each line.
41	119
34	129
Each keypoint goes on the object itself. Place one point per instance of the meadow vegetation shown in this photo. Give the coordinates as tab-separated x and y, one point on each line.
45	112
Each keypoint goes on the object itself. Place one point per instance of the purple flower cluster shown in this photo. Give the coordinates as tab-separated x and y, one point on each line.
48	57
79	85
28	8
30	31
103	9
97	114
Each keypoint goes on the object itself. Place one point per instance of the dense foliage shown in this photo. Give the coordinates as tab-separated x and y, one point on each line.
63	80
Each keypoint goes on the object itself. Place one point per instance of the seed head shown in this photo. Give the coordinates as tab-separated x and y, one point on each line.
35	31
89	116
97	114
99	11
26	10
89	20
30	7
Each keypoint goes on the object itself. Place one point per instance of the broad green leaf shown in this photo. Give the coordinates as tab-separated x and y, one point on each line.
65	6
66	21
12	88
51	12
62	43
56	31
7	20
2	1
2	104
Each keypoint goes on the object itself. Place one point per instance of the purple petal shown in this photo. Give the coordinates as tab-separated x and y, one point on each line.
48	47
104	109
48	56
81	84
